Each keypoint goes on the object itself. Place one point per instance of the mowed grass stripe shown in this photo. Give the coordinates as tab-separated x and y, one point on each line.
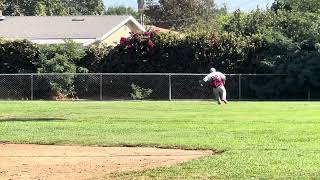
260	140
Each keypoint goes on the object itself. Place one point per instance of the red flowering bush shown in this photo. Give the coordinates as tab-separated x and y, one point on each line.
139	41
123	41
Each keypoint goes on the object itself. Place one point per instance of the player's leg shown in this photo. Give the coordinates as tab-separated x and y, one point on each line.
216	95
223	94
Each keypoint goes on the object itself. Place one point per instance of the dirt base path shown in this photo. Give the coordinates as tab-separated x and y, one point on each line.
76	162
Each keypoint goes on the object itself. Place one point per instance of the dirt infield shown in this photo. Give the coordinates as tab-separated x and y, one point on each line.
76	162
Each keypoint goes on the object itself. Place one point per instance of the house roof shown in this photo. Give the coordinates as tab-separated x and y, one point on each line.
63	27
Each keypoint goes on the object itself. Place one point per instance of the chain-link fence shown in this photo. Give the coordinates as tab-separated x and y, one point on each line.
129	86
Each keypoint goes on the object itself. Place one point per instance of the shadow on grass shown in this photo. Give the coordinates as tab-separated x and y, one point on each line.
30	119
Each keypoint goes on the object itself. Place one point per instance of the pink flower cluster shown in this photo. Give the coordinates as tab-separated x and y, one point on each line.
136	38
123	41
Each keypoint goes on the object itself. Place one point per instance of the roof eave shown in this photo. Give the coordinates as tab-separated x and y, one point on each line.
130	18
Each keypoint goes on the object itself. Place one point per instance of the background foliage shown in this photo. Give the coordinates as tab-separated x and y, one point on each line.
284	39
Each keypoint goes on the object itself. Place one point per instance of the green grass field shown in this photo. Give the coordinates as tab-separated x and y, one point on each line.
259	140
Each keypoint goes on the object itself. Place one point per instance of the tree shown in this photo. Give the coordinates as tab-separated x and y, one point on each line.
13	8
20	56
179	13
1	5
51	7
297	5
85	7
60	58
122	10
55	7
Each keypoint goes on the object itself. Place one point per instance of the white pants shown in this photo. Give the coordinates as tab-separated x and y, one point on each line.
220	93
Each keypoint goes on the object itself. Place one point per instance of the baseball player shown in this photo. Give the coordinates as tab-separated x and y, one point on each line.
217	81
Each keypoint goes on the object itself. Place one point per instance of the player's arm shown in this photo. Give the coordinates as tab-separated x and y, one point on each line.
207	78
204	80
201	82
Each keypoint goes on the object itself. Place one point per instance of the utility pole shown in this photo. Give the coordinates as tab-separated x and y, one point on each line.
1	16
141	11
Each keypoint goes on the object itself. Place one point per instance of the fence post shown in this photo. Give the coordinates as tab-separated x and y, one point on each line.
31	87
309	94
101	98
239	86
170	90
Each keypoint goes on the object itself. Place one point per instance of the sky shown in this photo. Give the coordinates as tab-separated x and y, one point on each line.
245	5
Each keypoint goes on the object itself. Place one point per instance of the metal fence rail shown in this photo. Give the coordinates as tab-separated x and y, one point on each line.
155	86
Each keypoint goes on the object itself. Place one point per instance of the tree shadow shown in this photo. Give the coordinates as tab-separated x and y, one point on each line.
31	119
